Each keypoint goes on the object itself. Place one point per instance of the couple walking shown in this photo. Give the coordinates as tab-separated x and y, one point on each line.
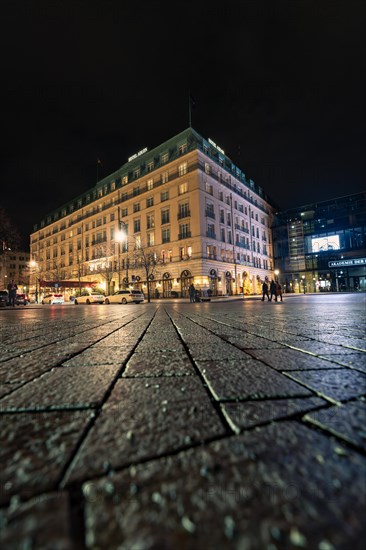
275	290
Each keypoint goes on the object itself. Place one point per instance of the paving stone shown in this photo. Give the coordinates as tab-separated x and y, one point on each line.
35	449
249	341
111	355
43	522
7	388
145	419
153	345
247	379
338	384
356	360
29	365
291	359
347	421
159	363
253	413
214	347
251	491
62	387
320	348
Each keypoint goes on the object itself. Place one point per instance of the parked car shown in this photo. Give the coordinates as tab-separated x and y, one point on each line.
53	299
89	298
124	296
21	299
4	298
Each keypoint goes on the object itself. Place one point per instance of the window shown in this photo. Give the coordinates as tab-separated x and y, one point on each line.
111	217
136	225
136	191
124	180
207	168
136	173
150	184
182	188
182	149
164	176
136	207
149	202
165	216
113	185
184	231
150	221
150	166
209	188
183	210
150	239
182	169
164	196
222	234
164	158
124	212
165	235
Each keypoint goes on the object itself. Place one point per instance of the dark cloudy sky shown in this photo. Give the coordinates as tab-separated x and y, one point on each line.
279	86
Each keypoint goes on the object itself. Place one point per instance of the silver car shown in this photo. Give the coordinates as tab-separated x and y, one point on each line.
125	296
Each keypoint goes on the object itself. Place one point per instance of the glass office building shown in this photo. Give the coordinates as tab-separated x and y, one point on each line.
321	247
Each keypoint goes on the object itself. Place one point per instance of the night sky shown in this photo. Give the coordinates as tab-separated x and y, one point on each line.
278	85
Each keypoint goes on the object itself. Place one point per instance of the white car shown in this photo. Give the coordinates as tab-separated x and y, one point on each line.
89	298
124	296
53	299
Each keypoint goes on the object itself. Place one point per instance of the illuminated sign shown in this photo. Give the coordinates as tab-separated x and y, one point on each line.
345	263
217	147
137	154
321	244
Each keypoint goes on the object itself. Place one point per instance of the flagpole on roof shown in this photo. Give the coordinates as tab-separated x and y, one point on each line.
189	108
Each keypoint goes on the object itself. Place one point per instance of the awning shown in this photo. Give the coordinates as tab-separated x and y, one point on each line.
67	284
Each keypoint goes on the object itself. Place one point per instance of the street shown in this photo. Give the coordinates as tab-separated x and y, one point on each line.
233	424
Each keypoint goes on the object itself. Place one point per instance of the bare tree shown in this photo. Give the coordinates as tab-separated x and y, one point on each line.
146	258
10	237
105	265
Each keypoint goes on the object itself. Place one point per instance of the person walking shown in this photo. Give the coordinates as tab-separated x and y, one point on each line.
192	293
12	289
273	290
279	290
265	290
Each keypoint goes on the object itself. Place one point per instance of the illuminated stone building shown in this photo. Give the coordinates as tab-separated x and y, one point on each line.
185	201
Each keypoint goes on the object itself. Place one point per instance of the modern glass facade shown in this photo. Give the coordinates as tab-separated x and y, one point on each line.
321	247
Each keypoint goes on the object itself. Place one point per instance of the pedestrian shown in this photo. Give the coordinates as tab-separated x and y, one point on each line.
273	290
279	290
12	289
192	293
265	290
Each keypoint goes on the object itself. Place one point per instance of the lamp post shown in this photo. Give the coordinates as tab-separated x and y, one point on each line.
122	236
303	283
34	264
276	274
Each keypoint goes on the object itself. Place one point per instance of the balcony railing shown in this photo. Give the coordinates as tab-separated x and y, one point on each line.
185	235
210	214
184	214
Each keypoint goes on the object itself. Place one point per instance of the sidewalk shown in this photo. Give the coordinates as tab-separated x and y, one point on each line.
185	426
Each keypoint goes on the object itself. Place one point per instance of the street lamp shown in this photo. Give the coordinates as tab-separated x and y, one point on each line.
276	274
303	282
122	236
34	264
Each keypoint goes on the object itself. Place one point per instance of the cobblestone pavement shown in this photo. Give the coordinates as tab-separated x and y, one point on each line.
230	424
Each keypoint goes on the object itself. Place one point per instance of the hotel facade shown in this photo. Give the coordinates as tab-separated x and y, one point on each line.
184	203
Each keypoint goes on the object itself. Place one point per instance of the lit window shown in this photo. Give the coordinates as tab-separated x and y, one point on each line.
182	169
182	149
164	177
150	184
183	188
164	158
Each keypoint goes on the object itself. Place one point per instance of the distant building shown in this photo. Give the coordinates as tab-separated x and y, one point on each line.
14	265
322	246
186	202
